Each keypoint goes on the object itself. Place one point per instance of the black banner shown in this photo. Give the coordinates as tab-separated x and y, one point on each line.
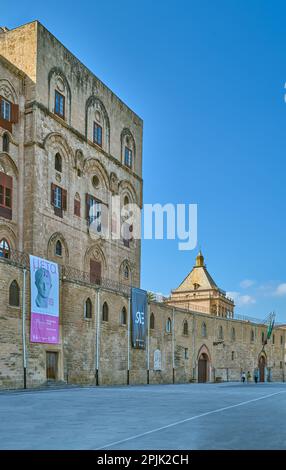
139	317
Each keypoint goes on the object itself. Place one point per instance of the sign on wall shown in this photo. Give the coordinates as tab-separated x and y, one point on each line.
139	317
44	276
157	360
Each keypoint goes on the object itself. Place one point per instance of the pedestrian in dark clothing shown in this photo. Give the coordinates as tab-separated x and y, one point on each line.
256	376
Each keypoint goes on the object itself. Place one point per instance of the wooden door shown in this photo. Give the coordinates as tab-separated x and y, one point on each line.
52	365
95	272
202	369
262	369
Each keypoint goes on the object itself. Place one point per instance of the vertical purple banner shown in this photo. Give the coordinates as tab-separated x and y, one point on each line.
44	301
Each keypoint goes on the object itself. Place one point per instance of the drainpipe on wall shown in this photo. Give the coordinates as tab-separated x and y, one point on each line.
97	336
128	340
148	344
194	348
24	328
173	344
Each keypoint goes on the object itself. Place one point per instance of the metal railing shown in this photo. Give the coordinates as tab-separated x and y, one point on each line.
22	260
72	274
15	257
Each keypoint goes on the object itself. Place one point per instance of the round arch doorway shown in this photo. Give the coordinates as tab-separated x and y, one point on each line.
261	368
203	365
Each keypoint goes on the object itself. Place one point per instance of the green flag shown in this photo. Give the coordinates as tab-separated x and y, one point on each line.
270	327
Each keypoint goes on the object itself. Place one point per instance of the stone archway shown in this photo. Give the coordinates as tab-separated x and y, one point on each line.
261	367
203	365
203	368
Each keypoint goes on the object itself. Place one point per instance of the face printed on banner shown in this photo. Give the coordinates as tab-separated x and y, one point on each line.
44	284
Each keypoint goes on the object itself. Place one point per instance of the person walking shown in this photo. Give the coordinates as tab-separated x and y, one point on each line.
248	376
256	376
243	377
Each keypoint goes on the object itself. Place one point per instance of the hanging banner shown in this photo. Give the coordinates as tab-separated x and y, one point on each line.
139	317
44	276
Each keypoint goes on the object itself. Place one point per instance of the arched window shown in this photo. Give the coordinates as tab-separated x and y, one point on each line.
220	332
105	312
169	325
14	294
88	308
152	321
123	316
127	148
204	330
281	340
233	334
273	339
97	125
126	272
126	201
59	248
6	142
252	336
262	337
5	251
185	328
58	162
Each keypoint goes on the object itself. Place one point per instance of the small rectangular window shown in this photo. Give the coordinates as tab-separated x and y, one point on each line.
5	109
97	134
58	198
59	104
128	157
6	184
186	353
95	214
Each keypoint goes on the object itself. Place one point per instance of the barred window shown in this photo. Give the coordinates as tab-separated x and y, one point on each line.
169	325
186	328
204	330
88	308
14	294
152	321
4	249
123	316
105	312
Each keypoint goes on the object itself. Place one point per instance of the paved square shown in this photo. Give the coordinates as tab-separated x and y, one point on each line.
188	416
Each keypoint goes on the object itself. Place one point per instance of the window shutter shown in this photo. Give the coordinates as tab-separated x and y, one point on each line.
9	182
52	194
14	113
87	198
64	199
7	125
2	179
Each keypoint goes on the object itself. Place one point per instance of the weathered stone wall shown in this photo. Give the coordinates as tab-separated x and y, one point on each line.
78	341
19	46
48	65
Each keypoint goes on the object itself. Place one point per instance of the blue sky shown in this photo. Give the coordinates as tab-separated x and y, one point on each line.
208	80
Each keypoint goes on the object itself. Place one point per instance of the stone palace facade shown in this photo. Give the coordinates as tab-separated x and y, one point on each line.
68	143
